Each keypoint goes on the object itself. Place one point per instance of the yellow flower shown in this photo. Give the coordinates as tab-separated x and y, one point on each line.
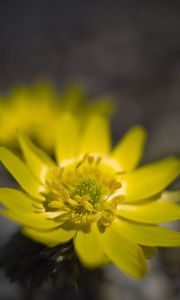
94	195
36	111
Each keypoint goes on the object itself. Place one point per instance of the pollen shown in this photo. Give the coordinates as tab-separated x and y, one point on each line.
84	191
88	187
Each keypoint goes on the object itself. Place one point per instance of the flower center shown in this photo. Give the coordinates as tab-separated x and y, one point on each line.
83	191
88	187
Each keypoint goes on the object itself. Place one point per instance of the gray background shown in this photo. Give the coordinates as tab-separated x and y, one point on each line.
128	49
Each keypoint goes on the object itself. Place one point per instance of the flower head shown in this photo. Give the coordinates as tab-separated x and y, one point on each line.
94	195
36	111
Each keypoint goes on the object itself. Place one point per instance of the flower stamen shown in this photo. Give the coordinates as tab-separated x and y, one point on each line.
83	192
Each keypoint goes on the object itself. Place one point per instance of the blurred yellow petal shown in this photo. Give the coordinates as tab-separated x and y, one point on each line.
89	250
96	137
73	98
16	200
34	220
49	238
151	179
21	173
152	212
148	235
125	254
68	137
104	105
130	149
38	162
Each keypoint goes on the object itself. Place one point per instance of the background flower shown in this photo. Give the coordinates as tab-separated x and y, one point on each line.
37	110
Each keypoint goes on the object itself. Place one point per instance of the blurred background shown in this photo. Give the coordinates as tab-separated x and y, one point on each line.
127	49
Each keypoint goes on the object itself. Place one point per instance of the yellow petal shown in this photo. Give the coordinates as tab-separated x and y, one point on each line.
104	105
130	149
49	238
21	173
148	235
39	163
151	179
68	137
35	220
16	200
73	98
89	250
125	254
152	212
96	137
